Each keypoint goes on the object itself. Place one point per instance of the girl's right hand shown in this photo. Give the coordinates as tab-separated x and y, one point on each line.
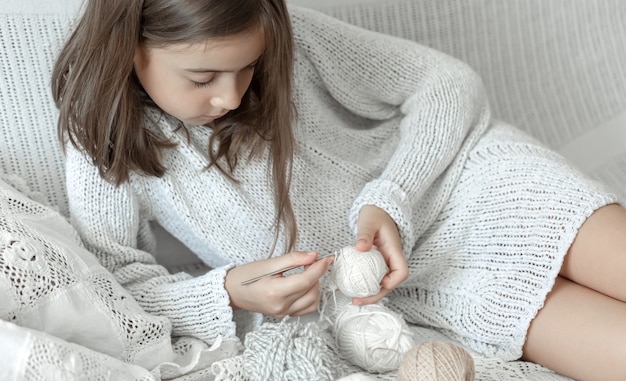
294	295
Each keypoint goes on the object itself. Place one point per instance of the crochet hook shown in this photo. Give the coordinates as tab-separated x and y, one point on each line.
252	280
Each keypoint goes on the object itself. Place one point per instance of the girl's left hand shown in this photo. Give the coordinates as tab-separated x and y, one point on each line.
376	228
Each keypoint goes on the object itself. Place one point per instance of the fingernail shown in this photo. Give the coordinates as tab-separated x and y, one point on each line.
311	253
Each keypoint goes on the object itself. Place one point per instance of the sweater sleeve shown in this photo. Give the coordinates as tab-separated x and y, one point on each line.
112	223
440	102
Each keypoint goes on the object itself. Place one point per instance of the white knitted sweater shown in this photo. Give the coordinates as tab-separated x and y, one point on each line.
381	121
353	90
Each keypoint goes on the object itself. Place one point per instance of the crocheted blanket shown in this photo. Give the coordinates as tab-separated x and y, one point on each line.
64	314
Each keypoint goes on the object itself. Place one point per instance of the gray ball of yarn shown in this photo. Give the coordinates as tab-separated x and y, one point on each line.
291	351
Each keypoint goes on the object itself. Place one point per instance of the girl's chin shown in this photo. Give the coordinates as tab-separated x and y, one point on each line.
200	121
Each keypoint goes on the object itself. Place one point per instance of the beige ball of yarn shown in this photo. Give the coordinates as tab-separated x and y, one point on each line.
358	274
436	361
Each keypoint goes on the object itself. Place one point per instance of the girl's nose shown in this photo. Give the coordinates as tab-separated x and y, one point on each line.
228	95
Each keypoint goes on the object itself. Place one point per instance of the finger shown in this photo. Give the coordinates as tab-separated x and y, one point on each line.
295	258
304	281
365	236
371	299
391	280
307	304
309	309
388	240
297	285
289	260
364	242
303	295
398	271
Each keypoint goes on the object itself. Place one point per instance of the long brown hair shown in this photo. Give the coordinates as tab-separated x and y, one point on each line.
101	102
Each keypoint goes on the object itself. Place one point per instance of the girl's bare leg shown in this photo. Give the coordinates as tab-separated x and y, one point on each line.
581	330
597	259
580	333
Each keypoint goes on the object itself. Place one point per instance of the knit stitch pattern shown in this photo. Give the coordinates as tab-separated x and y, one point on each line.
519	52
485	213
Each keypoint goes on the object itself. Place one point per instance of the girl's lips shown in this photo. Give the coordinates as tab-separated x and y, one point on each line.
217	116
210	118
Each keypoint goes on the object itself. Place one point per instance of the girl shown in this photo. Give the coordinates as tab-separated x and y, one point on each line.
246	140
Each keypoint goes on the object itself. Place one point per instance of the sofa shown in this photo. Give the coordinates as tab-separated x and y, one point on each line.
554	68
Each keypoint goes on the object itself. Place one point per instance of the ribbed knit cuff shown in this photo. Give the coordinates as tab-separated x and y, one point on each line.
196	306
392	199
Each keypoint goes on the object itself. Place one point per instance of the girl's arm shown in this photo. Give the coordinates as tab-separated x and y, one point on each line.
439	101
114	226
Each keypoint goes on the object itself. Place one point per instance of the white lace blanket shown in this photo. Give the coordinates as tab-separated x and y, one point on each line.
63	314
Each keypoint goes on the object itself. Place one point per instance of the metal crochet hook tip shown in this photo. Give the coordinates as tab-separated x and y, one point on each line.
252	280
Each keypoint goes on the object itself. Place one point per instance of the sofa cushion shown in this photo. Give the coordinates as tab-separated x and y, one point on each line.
553	68
31	32
49	282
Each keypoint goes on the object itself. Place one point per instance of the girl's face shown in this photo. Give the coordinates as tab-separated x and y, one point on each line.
199	83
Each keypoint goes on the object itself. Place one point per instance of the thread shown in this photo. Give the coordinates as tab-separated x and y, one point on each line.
289	351
358	274
436	361
372	336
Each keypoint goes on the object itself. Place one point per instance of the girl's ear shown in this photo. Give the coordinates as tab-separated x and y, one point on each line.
138	57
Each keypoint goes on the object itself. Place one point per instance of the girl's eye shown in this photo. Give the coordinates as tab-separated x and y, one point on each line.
202	84
210	81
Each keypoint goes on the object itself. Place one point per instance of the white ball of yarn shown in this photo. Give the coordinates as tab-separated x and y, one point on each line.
372	337
358	274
